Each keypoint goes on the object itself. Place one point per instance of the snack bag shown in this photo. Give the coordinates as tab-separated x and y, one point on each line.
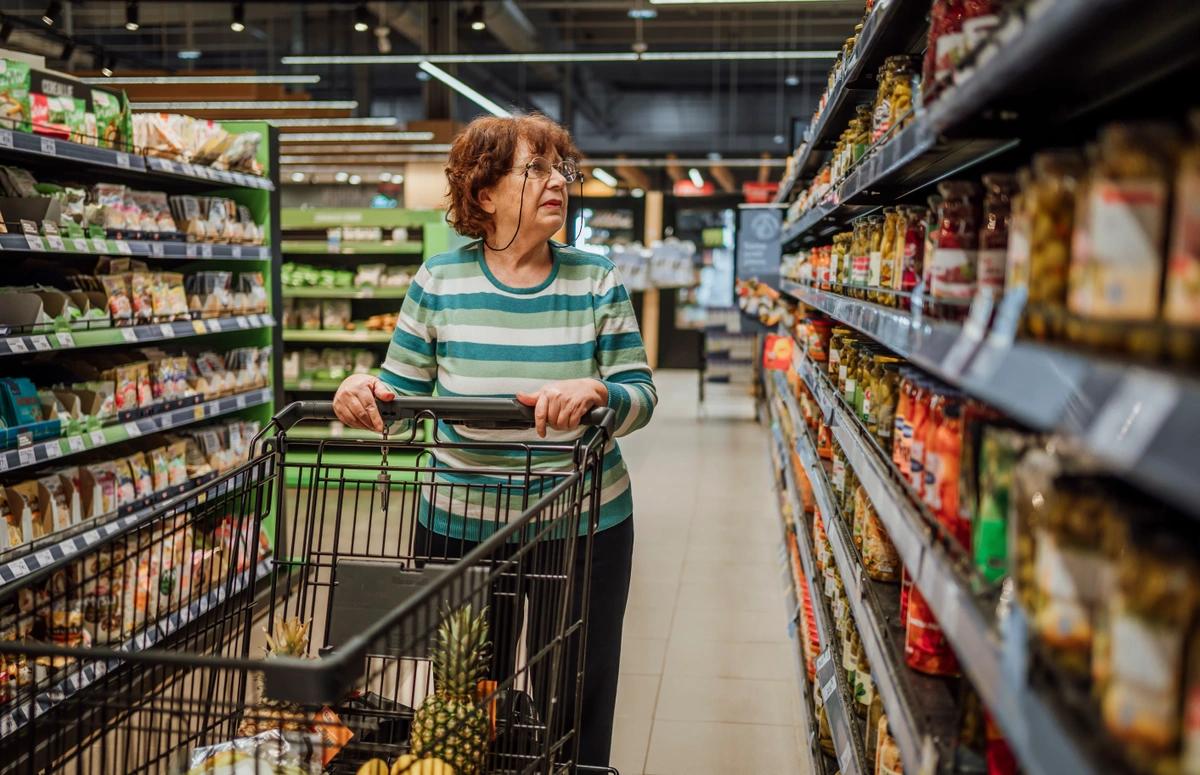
14	95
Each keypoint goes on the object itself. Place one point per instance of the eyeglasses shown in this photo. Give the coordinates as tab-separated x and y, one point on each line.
540	169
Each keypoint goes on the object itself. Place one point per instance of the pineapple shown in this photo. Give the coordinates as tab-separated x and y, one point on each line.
450	725
290	640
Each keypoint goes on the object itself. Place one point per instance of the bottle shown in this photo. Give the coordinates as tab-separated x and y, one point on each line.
993	234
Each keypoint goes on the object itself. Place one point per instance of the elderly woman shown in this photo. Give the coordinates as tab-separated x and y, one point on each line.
517	314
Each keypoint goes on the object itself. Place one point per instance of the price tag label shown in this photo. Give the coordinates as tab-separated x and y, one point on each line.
242	322
34	242
156	249
189	250
168	165
53	450
198	326
255	321
44	558
55	242
199	413
76	443
49	146
65	339
241	402
214	325
40	343
973	330
26	456
236	250
132	430
19	567
17	345
80	245
846	757
828	689
123	160
206	251
123	247
100	244
5	138
167	330
129	334
98	439
824	658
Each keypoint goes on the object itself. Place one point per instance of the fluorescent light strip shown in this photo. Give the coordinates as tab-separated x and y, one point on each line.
152	80
383	158
567	56
464	90
346	122
604	177
726	2
698	163
366	137
250	105
697	180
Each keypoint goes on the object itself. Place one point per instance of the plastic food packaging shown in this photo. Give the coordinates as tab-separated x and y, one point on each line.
880	559
943	454
887	754
925	647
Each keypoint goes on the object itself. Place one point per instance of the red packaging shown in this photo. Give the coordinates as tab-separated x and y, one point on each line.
901	429
942	457
1000	759
956	255
913	260
922	396
925	646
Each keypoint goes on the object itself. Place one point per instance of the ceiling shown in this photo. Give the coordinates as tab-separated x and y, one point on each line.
640	108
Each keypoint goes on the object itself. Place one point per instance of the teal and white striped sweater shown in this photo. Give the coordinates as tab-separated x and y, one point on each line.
461	332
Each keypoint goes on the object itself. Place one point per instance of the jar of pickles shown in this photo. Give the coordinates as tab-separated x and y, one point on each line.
838	339
901	100
862	377
882	112
887	264
860	258
880	404
874	252
1049	205
847	370
840	260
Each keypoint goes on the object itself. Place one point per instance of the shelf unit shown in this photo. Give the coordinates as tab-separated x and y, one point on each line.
46	156
1044	742
1049	61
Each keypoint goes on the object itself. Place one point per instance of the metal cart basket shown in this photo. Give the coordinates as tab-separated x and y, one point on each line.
185	645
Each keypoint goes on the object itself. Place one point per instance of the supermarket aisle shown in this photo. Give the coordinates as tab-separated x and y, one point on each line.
707	676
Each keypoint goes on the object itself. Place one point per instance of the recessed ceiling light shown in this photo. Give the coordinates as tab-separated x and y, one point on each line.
643	13
355	180
362	19
385	176
188	53
341	177
696	178
239	17
131	16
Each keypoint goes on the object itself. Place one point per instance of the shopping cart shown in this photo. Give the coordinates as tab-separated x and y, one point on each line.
146	651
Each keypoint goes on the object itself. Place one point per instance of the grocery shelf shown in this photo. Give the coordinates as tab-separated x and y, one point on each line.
337	337
89	672
1044	743
100	246
17	143
112	335
311	432
55	449
831	678
320	385
345	293
54	550
893	27
917	706
1140	421
381	248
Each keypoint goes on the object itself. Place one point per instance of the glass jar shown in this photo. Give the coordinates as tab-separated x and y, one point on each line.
846	506
887	263
922	397
993	234
1016	262
954	257
862	377
926	649
875	252
902	92
862	137
848	371
901	428
882	110
862	504
914	250
1051	205
885	395
860	259
942	458
837	342
879	557
1181	304
864	684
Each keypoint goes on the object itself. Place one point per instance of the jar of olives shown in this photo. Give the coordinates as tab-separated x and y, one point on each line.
1050	207
860	259
848	371
875	251
887	264
880	405
902	92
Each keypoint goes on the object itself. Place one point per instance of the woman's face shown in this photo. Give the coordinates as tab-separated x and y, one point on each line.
544	199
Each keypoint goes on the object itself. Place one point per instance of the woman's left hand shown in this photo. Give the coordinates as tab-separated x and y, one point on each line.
562	405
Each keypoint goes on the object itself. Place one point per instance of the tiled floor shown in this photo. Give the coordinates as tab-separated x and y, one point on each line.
708	682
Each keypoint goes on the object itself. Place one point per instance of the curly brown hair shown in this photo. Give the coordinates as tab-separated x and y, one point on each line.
483	153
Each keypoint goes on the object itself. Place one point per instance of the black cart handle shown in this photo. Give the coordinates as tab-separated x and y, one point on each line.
477	412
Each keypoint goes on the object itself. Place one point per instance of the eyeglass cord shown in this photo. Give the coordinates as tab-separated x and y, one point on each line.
521	214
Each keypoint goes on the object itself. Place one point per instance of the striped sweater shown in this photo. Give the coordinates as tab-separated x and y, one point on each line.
462	332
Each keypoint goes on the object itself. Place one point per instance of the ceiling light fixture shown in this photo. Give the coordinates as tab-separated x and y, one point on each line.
362	18
239	17
477	21
131	16
184	80
189	55
385	176
792	79
543	58
106	66
464	90
297	177
697	181
53	11
250	105
342	177
397	178
725	2
362	137
605	178
637	193
355	180
347	122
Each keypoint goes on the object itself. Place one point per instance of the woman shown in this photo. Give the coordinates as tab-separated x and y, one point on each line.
515	314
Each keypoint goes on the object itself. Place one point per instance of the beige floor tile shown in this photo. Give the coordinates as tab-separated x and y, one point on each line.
631	739
757	571
653	593
738	626
690	748
730	659
716	553
637	696
643	656
641	622
733	700
732	597
659	563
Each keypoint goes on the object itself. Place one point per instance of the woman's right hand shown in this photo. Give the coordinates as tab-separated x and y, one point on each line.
354	401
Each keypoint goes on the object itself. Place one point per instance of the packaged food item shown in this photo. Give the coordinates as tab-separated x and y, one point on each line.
860	253
875	235
901	427
335	314
999	449
117	290
1118	244
914	440
925	647
1155	604
880	559
14	94
887	265
993	233
887	756
102	594
943	454
954	258
1182	303
126	487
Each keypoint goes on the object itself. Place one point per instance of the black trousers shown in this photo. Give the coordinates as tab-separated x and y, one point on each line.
608	593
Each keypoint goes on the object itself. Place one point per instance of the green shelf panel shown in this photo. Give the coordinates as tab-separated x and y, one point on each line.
321	247
299	471
344	293
337	337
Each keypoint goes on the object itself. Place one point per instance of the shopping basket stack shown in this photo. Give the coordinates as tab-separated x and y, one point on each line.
185	645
